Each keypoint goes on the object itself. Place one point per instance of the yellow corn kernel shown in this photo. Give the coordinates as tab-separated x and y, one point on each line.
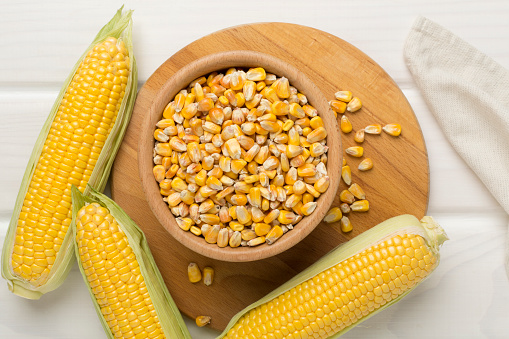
262	155
373	129
306	170
223	237
174	199
285	164
193	272
225	192
359	136
256	74
242	187
292	151
354	105
317	135
208	275
169	110
187	196
238	199
392	129
308	208
322	184
206	206
365	165
202	320
265	204
355	151
184	223
255	197
256	241
189	111
357	191
223	100
338	106
237	165
261	229
235	239
201	178
346	196
214	183
243	215
225	164
287	125
346	225
360	206
252	179
211	219
316	122
286	217
195	230
346	174
257	215
159	173
333	215
346	125
345	96
274	234
178	185
270	126
271	216
293	200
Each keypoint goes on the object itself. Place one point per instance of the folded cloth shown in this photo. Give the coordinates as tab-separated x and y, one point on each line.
468	93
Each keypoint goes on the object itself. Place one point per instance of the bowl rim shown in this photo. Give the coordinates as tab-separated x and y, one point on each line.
181	79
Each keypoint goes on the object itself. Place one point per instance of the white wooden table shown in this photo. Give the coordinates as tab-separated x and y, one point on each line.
468	295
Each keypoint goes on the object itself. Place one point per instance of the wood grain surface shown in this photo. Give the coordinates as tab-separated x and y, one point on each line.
398	183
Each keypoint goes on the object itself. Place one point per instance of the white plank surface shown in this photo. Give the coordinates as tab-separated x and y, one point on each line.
467	297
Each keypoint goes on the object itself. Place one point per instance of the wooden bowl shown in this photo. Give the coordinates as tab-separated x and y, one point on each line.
180	80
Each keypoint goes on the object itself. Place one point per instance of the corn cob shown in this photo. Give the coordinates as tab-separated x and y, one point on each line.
351	283
76	146
126	287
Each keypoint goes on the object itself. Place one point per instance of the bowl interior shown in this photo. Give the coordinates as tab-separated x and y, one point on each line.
179	81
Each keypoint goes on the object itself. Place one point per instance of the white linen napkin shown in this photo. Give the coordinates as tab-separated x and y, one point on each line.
468	93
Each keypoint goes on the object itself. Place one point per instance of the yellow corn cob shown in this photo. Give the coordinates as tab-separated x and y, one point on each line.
128	292
347	286
90	114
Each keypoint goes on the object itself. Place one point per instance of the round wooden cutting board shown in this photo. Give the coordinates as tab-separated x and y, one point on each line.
397	184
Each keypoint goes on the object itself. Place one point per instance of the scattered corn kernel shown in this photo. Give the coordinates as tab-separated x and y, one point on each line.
355	151
360	206
359	136
346	125
373	129
333	215
354	105
366	165
392	129
193	272
202	320
346	225
208	275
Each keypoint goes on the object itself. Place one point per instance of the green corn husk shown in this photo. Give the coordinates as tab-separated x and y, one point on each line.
169	316
120	27
433	234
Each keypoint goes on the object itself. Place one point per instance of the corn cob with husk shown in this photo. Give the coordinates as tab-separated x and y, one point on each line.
126	287
76	146
347	286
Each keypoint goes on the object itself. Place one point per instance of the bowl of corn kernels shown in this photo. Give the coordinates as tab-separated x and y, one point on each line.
239	156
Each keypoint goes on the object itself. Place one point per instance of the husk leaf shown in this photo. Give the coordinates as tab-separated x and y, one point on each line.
403	224
120	27
169	316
